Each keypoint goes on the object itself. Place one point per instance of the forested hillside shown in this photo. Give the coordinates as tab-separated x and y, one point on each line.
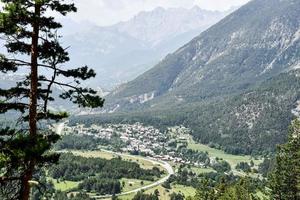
258	41
252	122
235	85
217	119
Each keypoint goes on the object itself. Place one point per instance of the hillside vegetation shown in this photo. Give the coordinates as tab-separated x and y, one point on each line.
234	85
252	122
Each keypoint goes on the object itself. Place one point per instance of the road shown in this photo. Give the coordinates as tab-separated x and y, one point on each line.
163	164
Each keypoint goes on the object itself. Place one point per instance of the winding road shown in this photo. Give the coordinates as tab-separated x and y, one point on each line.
163	164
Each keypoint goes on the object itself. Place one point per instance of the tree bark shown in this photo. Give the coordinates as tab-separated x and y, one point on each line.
25	187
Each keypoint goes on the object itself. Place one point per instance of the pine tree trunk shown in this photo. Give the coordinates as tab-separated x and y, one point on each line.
25	188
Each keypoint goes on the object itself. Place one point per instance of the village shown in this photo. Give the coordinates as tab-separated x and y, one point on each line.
141	140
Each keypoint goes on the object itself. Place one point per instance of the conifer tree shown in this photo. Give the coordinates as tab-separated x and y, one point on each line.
285	179
32	44
205	191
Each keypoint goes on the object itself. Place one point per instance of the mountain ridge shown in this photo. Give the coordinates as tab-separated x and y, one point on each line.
207	60
119	53
236	85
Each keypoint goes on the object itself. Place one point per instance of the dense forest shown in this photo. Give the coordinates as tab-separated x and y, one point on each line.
235	86
282	177
99	175
250	123
77	142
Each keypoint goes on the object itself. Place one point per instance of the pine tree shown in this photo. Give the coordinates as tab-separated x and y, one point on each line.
33	46
285	179
205	191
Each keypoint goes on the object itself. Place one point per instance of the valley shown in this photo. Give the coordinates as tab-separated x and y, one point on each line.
146	146
234	85
184	100
138	139
125	50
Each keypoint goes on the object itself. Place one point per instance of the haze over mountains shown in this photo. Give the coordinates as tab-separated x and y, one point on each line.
244	48
123	51
235	84
120	52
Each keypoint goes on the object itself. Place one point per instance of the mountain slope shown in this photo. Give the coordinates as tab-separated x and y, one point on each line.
236	85
256	42
252	122
123	51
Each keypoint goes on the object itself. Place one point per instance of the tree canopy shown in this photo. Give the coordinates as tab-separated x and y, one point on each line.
30	36
285	179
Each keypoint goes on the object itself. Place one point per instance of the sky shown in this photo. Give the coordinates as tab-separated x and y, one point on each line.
108	12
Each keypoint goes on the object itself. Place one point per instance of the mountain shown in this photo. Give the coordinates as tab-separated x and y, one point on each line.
123	51
159	25
254	43
222	83
251	122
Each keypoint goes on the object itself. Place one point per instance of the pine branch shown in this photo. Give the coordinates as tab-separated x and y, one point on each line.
5	107
7	65
49	115
86	97
19	62
82	73
14	92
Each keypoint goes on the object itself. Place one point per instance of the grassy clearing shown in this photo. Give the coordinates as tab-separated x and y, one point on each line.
233	160
262	196
185	190
198	170
165	193
132	184
125	197
135	183
142	162
145	164
64	185
94	154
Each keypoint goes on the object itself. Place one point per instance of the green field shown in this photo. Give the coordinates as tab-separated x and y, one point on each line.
233	160
262	196
64	185
185	190
107	155
198	170
165	193
132	184
94	154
